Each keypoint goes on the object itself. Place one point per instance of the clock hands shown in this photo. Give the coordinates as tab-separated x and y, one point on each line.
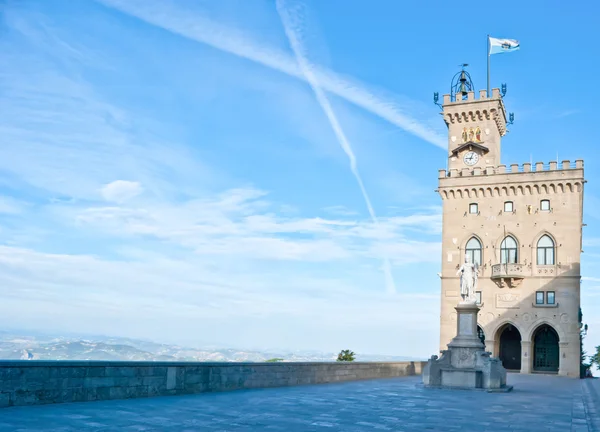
471	158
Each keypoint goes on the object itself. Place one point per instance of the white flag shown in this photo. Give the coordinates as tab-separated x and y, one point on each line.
498	46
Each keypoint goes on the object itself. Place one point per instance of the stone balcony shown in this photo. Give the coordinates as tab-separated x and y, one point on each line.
510	274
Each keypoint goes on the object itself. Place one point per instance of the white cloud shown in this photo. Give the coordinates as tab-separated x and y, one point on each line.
10	205
184	301
202	29
62	136
339	210
591	242
242	222
120	191
193	254
292	30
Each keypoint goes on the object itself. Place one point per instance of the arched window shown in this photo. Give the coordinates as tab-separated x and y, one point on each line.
473	250
508	250
545	251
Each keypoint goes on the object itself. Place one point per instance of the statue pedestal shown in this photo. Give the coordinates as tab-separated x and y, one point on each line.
466	364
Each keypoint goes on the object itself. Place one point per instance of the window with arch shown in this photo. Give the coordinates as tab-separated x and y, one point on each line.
473	208
508	206
508	251
545	205
473	250
545	251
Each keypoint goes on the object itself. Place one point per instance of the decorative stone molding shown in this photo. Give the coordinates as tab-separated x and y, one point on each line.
538	188
549	306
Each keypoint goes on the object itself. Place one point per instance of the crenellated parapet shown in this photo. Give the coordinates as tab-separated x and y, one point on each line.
474	110
512	180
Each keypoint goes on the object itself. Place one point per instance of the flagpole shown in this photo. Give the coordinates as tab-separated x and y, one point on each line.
487	51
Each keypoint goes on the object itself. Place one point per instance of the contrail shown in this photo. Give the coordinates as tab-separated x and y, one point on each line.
202	29
312	80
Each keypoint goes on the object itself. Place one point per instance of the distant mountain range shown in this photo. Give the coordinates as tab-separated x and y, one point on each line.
17	346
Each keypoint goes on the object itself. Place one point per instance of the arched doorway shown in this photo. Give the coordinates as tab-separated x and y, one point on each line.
545	349
481	334
510	347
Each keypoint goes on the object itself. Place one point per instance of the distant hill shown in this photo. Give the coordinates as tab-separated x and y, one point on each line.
15	346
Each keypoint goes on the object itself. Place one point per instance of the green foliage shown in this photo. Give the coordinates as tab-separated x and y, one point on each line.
583	366
346	355
273	360
595	359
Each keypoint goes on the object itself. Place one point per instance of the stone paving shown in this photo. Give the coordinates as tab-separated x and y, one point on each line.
537	403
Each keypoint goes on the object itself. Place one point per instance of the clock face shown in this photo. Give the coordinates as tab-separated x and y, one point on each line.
471	158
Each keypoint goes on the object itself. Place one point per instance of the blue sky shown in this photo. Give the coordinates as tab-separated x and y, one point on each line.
181	171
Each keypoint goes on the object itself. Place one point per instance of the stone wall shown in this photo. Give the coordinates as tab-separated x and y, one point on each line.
42	382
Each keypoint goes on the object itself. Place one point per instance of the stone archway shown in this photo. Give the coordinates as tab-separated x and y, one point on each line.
509	347
546	352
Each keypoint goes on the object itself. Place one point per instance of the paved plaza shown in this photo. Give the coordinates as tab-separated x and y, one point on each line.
537	403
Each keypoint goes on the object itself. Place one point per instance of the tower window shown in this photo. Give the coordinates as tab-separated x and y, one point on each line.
539	297
473	250
550	297
545	251
545	205
473	208
508	250
478	297
508	206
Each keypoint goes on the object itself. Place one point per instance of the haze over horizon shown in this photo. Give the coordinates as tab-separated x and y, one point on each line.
260	174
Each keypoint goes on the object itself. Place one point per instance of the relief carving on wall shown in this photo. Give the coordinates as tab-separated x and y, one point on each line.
507	301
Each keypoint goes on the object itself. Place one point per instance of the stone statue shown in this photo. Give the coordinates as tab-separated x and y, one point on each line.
468	280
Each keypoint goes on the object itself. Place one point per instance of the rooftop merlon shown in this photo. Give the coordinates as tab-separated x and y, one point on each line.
513	169
471	97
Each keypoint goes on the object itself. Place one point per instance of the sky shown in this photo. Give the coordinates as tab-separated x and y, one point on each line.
260	174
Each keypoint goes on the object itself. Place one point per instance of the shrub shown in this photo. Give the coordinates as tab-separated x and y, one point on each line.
346	355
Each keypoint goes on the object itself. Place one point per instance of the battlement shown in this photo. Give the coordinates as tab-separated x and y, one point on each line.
484	112
471	97
512	169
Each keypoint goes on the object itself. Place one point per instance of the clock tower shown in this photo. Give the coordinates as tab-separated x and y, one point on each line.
521	225
475	126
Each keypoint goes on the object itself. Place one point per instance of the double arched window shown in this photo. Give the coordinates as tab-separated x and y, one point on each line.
545	251
473	250
508	251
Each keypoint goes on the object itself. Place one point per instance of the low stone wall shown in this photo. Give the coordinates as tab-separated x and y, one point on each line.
41	382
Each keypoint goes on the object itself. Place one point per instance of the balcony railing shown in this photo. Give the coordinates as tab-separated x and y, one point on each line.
510	270
510	274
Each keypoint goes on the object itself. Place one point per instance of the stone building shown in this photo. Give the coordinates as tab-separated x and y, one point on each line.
522	224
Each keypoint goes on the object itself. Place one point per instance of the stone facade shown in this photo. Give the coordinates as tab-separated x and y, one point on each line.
526	222
44	382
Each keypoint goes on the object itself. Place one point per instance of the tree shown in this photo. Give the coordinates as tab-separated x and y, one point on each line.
346	355
583	366
273	360
595	359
